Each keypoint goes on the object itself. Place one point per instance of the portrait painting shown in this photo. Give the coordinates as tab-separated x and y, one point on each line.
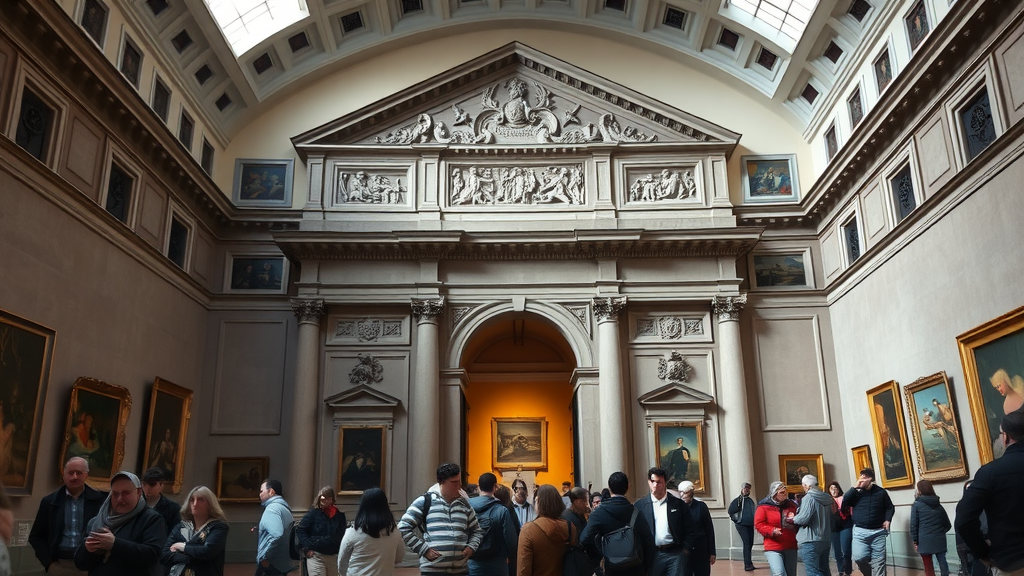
780	271
992	356
26	351
360	458
883	70
793	468
519	442
771	178
239	479
95	428
169	406
263	182
257	273
916	22
936	433
890	436
679	449
861	458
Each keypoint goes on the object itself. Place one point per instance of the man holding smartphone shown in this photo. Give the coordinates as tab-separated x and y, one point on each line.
872	512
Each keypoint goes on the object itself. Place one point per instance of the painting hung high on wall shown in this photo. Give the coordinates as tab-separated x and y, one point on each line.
861	458
519	442
263	182
95	428
679	449
937	438
992	356
890	436
770	178
239	479
167	431
781	270
26	350
793	468
257	273
360	458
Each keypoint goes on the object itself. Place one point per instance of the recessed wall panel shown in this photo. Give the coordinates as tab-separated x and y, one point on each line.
791	374
250	377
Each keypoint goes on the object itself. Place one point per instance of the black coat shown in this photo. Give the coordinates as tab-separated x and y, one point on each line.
320	533
48	529
928	525
703	530
169	510
204	553
680	523
996	492
136	549
614	513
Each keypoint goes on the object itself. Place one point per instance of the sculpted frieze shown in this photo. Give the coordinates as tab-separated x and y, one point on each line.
516	185
668	185
363	188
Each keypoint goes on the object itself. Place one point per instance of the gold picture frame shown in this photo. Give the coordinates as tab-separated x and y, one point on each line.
239	478
992	356
95	428
793	467
670	453
361	457
933	425
519	443
861	458
167	431
890	432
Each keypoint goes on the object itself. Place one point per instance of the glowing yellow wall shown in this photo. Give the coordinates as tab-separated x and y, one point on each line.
551	400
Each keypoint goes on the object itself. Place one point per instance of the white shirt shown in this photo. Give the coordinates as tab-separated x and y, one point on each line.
362	555
662	535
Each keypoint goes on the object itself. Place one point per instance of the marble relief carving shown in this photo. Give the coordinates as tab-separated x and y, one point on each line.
669	185
728	308
363	188
673	368
524	115
368	329
669	327
518	185
609	308
426	309
367	371
581	313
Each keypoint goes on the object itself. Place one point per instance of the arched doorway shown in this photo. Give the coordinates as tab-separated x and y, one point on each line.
519	366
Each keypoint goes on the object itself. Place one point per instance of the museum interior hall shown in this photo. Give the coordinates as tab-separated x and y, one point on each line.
340	242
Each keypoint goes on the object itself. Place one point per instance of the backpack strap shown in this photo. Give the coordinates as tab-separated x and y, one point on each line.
632	519
426	510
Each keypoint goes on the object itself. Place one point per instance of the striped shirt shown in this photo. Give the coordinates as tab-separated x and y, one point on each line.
449	528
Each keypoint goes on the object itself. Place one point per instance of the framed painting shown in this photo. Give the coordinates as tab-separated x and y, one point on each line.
861	458
679	449
933	425
360	458
793	468
263	182
519	443
256	273
883	70
26	351
781	270
95	428
239	479
167	431
771	178
916	22
992	356
890	436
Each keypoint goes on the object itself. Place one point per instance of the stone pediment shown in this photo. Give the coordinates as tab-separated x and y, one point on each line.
515	96
674	395
361	396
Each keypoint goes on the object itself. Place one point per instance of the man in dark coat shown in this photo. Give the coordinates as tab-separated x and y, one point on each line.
996	492
703	553
614	513
62	517
669	520
577	562
153	489
741	511
126	536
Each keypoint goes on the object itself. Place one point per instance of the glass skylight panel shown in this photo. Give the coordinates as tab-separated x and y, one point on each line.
246	23
787	16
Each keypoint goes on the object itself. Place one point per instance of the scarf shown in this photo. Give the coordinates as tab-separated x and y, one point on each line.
109	519
330	510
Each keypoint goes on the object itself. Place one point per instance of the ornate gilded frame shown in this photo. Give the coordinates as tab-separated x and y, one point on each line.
665	435
169	410
861	458
791	470
107	406
879	398
922	394
501	457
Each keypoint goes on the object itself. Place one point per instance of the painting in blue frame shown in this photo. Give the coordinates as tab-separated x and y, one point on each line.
263	182
770	178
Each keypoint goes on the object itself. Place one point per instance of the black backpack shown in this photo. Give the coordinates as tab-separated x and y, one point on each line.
293	542
620	548
491	542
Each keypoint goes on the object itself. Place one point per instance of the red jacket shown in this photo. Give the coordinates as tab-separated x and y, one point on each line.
768	517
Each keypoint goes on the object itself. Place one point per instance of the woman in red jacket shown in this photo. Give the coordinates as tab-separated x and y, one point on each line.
773	519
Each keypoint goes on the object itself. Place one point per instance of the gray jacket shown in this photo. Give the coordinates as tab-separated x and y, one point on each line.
814	517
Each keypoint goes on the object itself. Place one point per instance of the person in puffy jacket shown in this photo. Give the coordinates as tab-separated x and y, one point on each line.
929	524
773	519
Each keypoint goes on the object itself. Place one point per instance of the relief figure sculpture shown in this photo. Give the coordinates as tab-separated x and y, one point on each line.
369	189
517	185
671	185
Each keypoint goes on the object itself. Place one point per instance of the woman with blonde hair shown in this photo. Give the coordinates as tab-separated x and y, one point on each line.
543	542
197	543
320	532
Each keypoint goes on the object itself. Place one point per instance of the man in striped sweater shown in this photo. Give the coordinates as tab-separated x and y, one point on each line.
441	526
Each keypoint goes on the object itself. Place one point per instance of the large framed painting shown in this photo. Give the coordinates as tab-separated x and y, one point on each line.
519	443
26	351
679	449
263	182
789	270
992	356
793	468
360	458
770	178
95	428
933	425
890	436
256	273
239	479
167	431
861	458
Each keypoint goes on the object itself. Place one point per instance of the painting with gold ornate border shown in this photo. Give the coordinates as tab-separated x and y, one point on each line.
894	470
519	443
793	467
933	425
861	458
679	449
167	431
95	428
992	356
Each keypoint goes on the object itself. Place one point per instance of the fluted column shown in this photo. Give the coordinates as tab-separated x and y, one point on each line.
733	399
425	397
609	383
306	405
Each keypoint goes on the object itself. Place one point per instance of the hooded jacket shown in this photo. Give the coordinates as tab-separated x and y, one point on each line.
929	524
815	517
768	517
542	547
448	528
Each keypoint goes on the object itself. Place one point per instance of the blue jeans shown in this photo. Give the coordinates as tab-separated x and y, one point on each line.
842	542
781	562
815	557
869	550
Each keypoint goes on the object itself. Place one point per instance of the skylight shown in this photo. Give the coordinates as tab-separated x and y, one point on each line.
787	16
246	23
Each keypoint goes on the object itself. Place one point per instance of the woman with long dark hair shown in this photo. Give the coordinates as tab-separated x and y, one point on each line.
320	532
543	542
842	532
372	545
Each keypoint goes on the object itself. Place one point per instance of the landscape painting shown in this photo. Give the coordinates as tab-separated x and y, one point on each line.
519	442
781	270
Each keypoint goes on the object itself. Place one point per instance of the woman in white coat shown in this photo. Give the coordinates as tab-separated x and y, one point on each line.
372	545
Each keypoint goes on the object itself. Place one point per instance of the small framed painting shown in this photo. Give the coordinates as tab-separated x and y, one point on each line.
936	433
883	70
360	458
679	449
239	479
167	431
771	178
861	458
793	468
256	273
781	270
519	442
263	182
890	436
95	428
916	22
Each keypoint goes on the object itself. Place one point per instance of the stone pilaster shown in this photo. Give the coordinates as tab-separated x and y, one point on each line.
306	407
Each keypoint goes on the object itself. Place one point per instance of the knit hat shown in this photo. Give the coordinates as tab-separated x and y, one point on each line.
774	487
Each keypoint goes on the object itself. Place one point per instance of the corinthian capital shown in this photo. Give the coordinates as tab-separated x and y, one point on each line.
608	308
308	310
728	308
427	309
